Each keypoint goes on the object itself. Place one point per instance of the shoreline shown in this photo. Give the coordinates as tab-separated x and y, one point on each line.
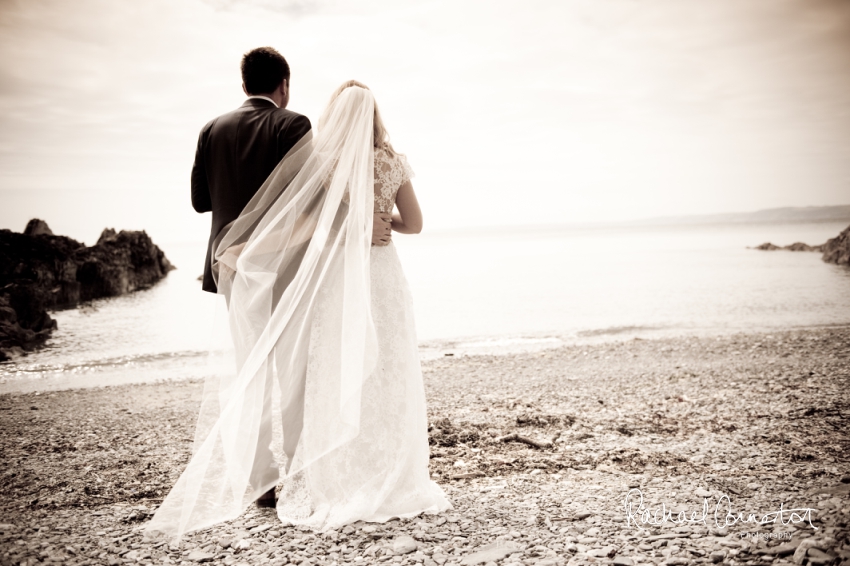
196	364
760	418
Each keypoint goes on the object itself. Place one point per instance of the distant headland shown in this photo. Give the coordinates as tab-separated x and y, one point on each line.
789	214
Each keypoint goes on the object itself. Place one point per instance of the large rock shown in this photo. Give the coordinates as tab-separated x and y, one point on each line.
118	264
491	553
41	272
404	544
837	250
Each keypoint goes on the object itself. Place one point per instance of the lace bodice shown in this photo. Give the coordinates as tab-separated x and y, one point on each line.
391	172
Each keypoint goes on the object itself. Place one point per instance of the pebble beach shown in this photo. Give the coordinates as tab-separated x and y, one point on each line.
731	449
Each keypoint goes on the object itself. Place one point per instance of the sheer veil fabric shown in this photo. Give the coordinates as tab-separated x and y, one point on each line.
296	271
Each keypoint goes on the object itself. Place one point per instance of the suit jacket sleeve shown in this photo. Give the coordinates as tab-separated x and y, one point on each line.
294	131
201	200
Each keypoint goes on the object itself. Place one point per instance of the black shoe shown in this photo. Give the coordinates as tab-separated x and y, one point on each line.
267	500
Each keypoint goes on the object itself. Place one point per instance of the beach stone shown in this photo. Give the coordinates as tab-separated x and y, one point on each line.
200	556
665	536
469	475
782	549
404	545
802	550
717	556
603	552
825	543
702	493
490	553
817	556
622	561
260	529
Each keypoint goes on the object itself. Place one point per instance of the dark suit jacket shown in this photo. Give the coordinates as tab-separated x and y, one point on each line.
236	152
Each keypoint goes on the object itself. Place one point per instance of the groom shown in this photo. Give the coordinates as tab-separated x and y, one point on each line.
238	150
235	154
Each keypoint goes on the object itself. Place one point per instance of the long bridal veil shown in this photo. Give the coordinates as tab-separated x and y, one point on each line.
307	228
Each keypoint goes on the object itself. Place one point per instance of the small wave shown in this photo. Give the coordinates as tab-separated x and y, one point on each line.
616	330
19	368
123	370
488	346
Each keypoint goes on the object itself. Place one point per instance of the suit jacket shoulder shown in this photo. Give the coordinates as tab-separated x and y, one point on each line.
292	127
297	123
288	114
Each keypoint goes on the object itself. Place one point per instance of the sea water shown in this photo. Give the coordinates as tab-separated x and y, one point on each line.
483	291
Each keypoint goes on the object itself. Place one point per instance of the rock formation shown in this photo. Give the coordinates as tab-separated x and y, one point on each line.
837	249
795	247
767	246
801	247
40	271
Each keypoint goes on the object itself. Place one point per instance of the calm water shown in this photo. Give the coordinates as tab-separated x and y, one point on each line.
506	290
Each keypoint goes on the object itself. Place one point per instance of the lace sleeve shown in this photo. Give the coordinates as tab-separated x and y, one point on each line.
407	170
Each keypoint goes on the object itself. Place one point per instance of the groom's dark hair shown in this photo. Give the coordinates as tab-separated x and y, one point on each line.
263	69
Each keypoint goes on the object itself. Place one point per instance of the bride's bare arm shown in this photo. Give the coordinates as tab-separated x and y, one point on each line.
408	220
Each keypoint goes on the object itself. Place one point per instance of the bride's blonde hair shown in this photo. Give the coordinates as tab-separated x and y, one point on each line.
380	136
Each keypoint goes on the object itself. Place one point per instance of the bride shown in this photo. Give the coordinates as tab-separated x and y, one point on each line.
323	330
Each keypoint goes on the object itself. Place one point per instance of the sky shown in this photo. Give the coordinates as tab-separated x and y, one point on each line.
540	112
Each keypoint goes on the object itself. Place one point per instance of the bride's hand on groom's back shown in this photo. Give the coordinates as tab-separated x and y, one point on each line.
382	228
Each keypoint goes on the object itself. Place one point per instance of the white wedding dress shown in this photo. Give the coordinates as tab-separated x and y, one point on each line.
383	472
322	322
